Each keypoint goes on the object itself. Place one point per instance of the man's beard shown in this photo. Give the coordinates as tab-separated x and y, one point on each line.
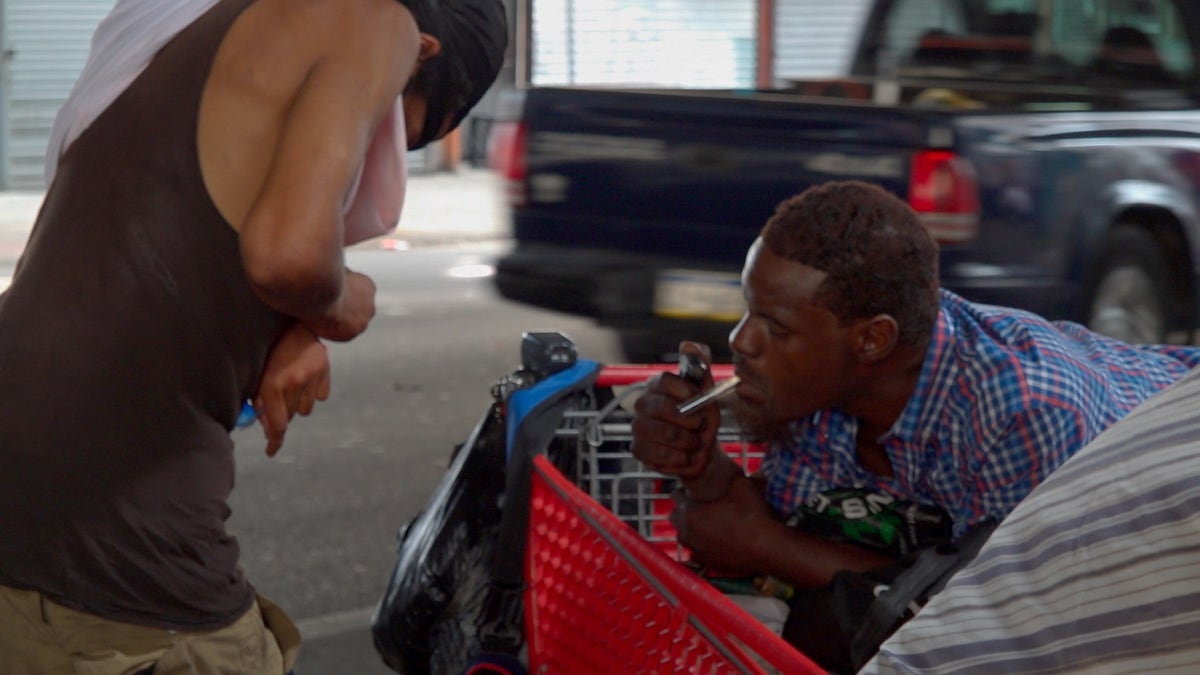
755	422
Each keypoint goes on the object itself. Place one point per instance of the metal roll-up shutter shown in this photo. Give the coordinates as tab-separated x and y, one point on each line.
49	40
669	43
816	38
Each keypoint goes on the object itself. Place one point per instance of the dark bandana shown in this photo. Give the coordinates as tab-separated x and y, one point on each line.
474	35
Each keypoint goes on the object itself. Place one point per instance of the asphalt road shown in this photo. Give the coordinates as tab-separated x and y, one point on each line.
317	523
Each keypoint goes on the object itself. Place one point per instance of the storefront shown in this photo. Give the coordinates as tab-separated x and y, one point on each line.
43	46
687	43
815	38
668	43
692	43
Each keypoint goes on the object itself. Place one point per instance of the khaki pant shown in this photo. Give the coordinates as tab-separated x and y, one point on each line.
39	637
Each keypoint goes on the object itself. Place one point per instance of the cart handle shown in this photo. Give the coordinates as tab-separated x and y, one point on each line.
621	374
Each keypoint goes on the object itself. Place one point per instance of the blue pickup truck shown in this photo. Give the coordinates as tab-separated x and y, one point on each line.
1051	146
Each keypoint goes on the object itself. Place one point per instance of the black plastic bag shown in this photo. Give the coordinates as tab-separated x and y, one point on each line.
455	594
425	620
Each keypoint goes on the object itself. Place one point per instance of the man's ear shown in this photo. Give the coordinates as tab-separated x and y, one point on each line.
876	338
430	47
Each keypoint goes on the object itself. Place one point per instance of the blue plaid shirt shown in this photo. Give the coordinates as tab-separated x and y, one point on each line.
1004	397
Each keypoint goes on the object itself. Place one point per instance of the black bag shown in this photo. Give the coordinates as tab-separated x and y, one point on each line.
912	588
424	621
453	600
842	625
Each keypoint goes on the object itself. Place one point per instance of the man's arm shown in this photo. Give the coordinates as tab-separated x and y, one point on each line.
739	533
291	239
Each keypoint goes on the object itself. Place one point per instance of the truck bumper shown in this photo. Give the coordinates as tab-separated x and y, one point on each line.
615	289
618	288
596	284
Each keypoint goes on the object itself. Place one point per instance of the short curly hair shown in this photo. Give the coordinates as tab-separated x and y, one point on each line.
877	256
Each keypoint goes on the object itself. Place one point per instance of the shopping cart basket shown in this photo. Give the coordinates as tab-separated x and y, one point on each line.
578	571
601	599
599	437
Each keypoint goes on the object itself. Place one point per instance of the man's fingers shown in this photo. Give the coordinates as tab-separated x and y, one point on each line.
664	393
666	459
274	417
678	516
306	404
305	399
700	349
273	445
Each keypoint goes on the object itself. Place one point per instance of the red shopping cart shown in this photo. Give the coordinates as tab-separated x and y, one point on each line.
601	599
578	572
606	590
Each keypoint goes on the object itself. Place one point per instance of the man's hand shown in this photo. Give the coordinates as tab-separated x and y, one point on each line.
739	533
295	377
731	534
667	441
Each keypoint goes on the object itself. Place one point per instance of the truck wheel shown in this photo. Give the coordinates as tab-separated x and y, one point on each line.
1130	299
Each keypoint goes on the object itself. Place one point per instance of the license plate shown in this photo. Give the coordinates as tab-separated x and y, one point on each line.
696	294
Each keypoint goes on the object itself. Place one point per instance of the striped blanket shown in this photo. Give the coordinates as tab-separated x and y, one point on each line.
1098	570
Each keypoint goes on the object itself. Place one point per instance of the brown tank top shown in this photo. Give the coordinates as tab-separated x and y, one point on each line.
128	339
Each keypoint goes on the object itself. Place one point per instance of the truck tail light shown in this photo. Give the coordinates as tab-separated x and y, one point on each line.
506	154
945	194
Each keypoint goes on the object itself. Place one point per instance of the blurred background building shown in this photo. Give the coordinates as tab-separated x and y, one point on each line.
686	43
678	43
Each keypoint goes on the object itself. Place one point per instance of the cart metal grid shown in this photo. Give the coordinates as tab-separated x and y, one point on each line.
599	435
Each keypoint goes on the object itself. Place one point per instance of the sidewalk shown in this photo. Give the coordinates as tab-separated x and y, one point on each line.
467	205
17	211
439	208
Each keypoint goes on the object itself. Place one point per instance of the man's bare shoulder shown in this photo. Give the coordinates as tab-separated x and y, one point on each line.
372	43
276	44
344	26
334	65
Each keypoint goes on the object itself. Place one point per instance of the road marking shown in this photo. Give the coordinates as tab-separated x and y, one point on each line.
471	271
338	623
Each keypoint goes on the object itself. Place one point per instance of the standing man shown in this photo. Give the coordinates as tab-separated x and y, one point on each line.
188	257
869	381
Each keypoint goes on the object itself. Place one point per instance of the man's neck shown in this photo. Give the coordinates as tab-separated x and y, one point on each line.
891	387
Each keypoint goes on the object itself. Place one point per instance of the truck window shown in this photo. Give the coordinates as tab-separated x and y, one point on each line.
957	33
1124	39
1110	45
911	20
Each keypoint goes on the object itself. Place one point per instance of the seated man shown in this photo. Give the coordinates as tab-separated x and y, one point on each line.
1095	571
864	375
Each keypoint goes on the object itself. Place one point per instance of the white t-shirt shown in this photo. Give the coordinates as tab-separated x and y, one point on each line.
129	37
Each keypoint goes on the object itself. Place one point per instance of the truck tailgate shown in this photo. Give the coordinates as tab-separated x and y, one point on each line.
645	166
